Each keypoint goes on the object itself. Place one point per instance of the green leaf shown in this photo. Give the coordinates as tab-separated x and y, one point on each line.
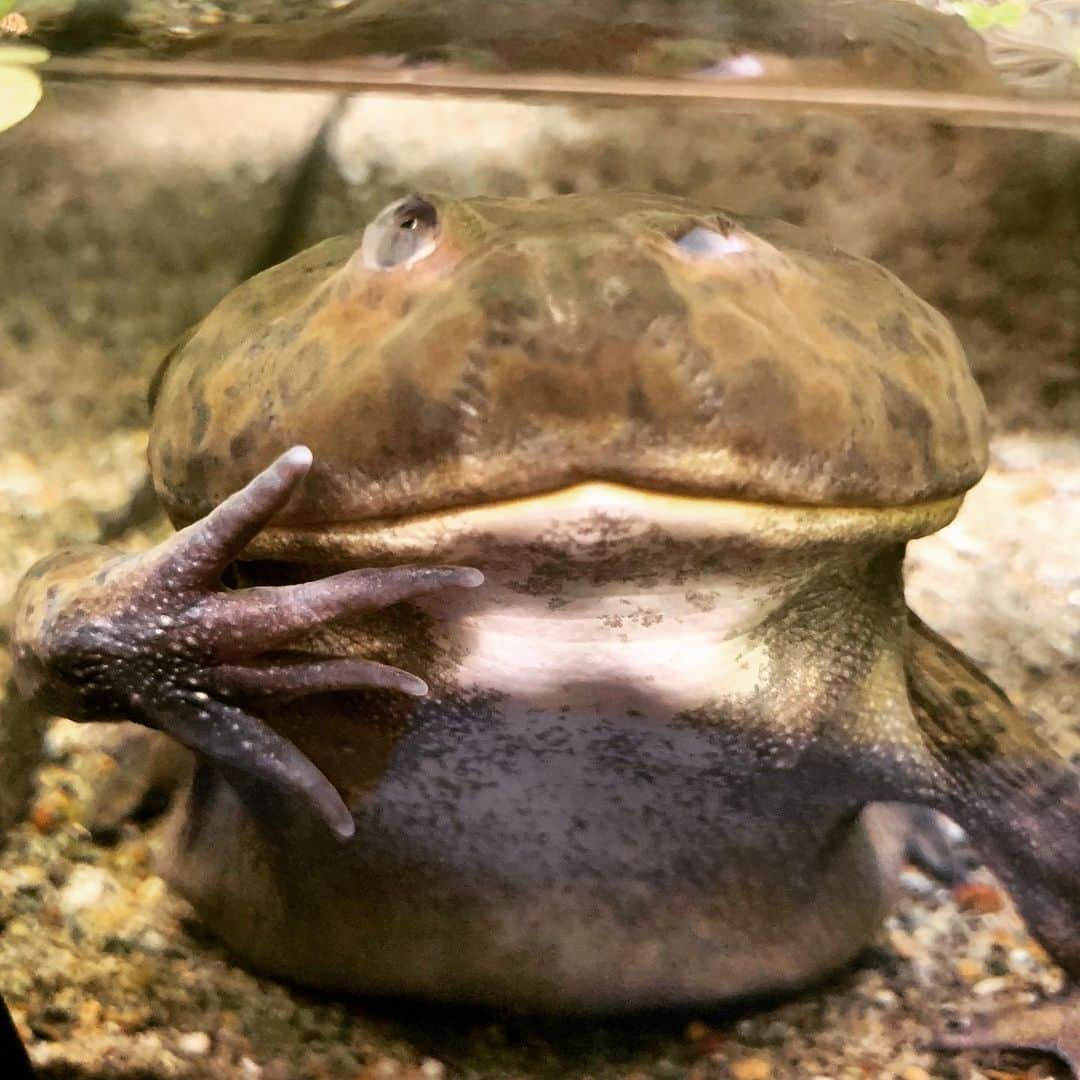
1009	13
987	16
20	85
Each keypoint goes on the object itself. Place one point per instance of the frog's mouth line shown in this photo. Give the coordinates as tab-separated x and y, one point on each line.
581	510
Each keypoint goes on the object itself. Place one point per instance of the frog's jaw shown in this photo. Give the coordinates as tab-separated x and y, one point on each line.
605	597
591	509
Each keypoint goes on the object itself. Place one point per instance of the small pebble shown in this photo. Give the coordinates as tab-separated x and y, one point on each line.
915	1072
1021	960
28	879
903	944
152	942
53	808
971	971
705	1040
979	898
916	883
774	1032
993	985
752	1068
85	888
194	1043
696	1031
89	1015
382	1069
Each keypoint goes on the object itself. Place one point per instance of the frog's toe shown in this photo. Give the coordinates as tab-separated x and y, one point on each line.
1052	1028
292	680
266	617
240	743
199	554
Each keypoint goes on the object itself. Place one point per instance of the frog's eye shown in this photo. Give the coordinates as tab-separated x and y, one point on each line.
702	243
402	234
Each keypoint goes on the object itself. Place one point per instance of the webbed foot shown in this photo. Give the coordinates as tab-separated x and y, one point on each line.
1052	1028
157	639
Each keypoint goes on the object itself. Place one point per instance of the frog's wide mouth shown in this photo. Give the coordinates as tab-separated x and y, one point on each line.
598	514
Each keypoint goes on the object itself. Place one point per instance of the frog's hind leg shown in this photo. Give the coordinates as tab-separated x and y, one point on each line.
1019	800
1053	1028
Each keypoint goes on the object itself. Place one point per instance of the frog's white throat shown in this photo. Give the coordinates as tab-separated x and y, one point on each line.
669	597
602	593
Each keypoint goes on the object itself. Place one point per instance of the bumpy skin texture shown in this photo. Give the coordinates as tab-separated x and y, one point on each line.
153	638
785	372
647	768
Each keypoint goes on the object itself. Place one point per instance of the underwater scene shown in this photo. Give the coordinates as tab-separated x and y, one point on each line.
539	540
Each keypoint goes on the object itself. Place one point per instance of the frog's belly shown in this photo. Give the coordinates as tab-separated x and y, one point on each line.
547	860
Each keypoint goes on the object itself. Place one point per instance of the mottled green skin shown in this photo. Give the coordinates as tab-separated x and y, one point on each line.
545	343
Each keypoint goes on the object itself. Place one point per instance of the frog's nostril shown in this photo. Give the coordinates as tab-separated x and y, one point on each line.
703	243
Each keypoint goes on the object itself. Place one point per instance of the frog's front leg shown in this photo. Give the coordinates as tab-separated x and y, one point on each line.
1053	1028
1020	802
157	639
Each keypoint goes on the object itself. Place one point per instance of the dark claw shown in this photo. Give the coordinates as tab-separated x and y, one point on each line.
1053	1028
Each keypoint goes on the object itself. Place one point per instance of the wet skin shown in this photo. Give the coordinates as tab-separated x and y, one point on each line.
643	762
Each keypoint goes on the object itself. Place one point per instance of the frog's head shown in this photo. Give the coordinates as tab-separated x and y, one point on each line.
458	353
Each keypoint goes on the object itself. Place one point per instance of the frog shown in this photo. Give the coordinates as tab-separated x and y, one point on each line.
536	618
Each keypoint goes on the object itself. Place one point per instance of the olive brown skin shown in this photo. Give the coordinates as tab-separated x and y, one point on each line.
644	762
